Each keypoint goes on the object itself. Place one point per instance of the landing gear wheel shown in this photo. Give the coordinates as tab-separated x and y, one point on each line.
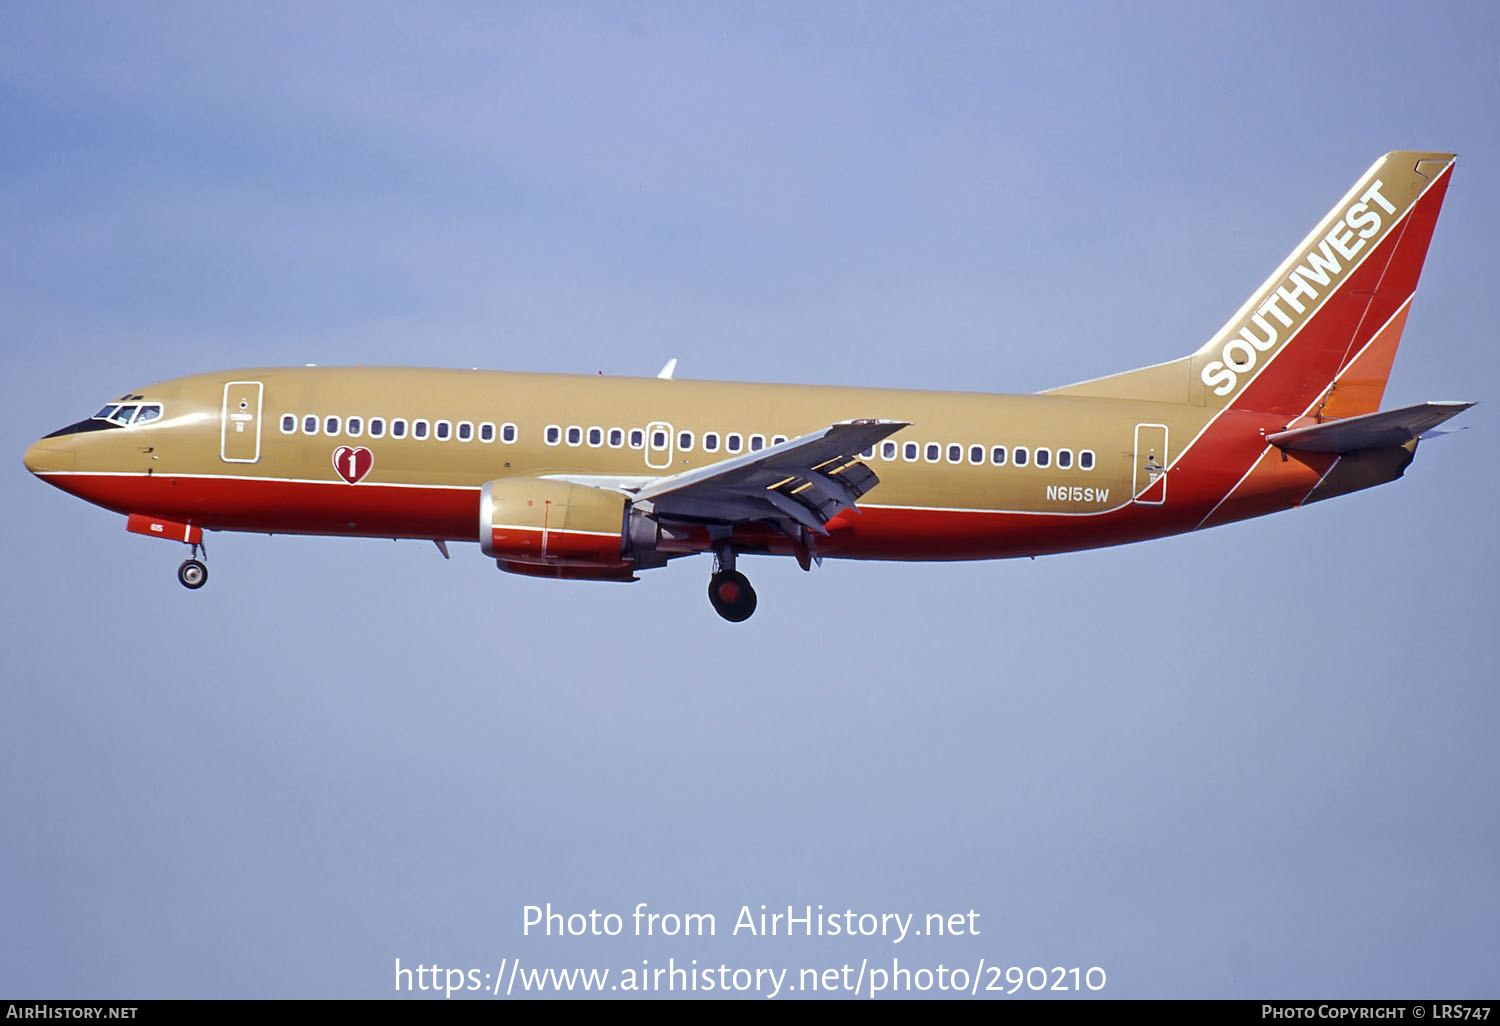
731	595
192	573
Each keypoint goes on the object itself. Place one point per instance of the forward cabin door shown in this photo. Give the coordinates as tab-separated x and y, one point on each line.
1150	485
239	430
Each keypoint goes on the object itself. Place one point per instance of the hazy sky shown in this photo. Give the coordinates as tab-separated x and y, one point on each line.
1256	761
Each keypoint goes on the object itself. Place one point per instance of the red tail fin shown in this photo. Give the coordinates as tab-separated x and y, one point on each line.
1319	336
1321	333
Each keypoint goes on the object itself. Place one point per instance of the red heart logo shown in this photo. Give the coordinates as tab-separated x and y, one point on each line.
353	463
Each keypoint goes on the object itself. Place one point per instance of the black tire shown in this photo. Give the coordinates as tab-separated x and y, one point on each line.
731	595
193	574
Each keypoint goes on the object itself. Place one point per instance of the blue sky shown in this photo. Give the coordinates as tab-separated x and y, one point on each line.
1256	761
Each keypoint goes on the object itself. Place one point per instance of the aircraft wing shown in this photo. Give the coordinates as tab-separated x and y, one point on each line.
806	480
1383	430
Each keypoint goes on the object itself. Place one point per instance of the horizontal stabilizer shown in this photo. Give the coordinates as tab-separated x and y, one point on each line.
1385	430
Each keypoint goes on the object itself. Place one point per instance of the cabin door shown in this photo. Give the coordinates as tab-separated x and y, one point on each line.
239	428
1150	484
659	445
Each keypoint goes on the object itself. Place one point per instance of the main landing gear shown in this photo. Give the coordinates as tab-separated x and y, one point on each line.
193	573
729	590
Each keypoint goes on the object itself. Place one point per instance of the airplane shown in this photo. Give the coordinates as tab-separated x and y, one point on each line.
598	478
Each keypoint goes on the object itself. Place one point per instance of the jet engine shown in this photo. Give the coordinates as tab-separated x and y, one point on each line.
545	523
546	528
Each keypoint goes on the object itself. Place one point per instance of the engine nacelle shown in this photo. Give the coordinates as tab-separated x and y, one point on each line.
568	573
541	523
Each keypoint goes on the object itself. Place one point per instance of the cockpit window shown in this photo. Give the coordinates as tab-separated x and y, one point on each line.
121	414
124	414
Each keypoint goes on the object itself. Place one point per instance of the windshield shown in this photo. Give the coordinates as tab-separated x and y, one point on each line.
124	414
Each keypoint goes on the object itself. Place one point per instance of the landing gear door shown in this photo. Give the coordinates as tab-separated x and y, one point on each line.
1150	484
239	432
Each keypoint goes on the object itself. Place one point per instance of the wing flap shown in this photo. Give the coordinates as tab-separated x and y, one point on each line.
1385	430
801	483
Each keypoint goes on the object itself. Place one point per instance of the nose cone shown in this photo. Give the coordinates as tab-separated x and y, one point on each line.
50	456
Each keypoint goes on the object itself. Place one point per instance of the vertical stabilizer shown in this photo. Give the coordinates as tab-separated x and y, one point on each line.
1319	336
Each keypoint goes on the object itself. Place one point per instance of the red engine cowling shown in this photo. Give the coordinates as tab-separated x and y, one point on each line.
530	525
568	573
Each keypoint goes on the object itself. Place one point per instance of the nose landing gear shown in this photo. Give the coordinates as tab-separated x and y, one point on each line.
193	573
729	591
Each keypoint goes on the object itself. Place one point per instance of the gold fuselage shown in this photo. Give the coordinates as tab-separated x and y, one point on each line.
1173	447
181	461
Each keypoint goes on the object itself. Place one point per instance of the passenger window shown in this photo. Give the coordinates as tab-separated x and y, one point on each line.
685	441
868	454
443	430
354	426
909	452
553	434
575	434
658	440
888	450
733	443
465	431
486	432
778	439
616	438
1043	457
288	424
508	433
934	452
1064	459
309	425
976	454
637	438
955	454
331	426
710	441
1018	456
1086	459
757	443
997	456
398	428
419	429
377	427
596	437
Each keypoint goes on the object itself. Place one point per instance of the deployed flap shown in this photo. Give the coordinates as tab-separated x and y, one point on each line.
1369	431
805	481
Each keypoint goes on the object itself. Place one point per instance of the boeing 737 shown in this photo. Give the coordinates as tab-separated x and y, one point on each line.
597	478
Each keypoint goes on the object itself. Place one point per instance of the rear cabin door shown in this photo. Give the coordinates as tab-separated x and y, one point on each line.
239	431
1150	485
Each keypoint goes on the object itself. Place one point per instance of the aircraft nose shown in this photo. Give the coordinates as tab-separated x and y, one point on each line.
50	455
